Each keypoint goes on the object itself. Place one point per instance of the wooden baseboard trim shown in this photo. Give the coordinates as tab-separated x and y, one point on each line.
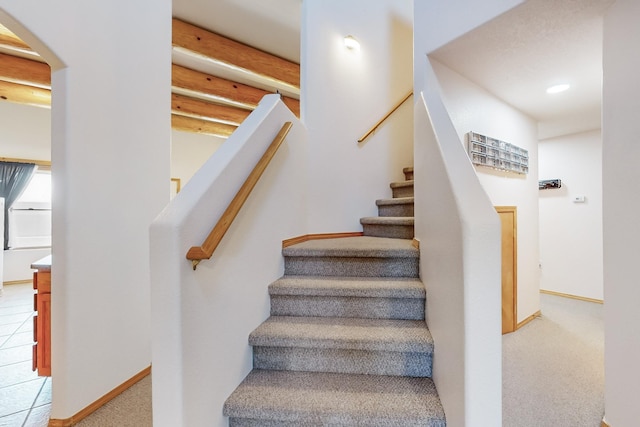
529	319
17	282
306	237
415	243
84	413
604	424
560	294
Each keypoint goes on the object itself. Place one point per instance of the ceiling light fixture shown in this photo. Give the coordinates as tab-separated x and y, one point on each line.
558	88
351	43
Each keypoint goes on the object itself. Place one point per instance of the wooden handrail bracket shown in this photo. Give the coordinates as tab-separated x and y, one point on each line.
377	125
198	253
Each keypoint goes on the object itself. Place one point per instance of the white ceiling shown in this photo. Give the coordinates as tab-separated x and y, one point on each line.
515	57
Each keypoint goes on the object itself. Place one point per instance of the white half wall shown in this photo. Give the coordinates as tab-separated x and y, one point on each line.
571	233
110	151
474	109
621	203
344	93
202	318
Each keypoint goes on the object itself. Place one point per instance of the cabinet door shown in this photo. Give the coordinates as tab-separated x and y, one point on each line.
43	328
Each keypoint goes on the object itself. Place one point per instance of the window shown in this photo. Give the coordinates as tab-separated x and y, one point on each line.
30	215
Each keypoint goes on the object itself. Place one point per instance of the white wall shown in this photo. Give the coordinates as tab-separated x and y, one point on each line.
344	93
110	165
17	263
189	151
473	109
621	202
571	233
25	131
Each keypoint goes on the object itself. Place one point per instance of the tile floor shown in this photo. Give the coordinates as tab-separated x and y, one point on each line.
25	398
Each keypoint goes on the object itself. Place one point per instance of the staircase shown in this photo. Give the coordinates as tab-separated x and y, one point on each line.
346	343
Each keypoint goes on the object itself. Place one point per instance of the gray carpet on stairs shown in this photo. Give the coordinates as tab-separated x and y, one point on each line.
353	257
327	399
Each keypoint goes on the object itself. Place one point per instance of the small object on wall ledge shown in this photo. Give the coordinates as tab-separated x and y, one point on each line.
493	153
549	183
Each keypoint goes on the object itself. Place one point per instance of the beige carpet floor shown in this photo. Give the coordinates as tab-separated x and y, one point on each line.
553	368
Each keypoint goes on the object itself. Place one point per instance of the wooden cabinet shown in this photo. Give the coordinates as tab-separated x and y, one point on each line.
42	318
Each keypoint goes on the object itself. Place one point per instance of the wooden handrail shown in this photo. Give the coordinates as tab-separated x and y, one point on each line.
198	253
377	125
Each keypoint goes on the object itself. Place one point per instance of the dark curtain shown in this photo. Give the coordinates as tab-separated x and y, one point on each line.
14	178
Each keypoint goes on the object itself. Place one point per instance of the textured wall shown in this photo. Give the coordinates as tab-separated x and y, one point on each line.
344	93
474	109
571	233
110	163
621	202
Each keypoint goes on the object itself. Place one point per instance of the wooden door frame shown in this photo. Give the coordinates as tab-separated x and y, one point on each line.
513	210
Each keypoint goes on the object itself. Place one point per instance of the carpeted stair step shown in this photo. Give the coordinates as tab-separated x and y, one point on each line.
388	226
408	173
343	345
402	206
402	189
374	298
352	256
268	398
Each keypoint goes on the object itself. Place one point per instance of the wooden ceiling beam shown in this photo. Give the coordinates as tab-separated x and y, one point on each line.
24	71
190	124
196	108
11	40
222	90
22	94
215	87
234	54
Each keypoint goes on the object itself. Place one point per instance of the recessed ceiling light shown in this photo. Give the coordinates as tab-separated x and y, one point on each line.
558	88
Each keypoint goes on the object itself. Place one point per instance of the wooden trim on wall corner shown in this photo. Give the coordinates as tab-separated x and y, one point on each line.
306	237
529	319
604	424
415	243
560	294
84	413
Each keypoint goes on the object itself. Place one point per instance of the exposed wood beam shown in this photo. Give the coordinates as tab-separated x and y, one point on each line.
189	124
234	54
24	71
196	108
217	89
12	43
293	104
7	38
14	92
